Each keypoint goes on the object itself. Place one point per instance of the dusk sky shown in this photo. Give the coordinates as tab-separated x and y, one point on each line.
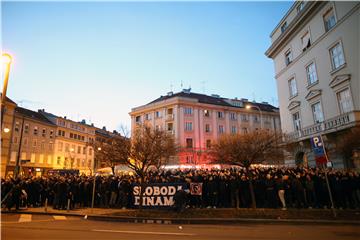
96	61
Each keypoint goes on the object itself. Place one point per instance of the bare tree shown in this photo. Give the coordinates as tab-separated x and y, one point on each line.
113	151
246	149
149	147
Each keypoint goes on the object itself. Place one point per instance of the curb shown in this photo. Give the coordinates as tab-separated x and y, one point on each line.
209	221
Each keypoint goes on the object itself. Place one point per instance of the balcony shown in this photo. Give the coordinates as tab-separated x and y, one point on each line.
170	117
340	122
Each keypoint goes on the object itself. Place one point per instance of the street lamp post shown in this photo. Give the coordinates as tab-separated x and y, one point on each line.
6	60
249	106
93	192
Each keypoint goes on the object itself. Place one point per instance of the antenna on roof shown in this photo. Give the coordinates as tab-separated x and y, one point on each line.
181	84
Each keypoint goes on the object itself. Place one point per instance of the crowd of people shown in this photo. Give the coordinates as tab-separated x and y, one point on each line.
221	188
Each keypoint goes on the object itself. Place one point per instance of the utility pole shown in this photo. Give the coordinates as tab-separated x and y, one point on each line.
17	166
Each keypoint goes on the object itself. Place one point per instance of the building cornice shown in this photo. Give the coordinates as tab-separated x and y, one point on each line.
310	9
339	79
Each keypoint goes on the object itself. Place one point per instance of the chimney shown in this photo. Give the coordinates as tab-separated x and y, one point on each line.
64	117
104	128
83	121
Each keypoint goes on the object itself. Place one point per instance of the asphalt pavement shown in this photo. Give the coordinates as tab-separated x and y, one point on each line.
31	226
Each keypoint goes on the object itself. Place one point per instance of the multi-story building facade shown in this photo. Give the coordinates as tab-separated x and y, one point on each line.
197	120
32	143
316	53
7	119
73	144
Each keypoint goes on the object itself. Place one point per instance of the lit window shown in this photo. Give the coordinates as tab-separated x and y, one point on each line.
317	112
329	20
311	74
344	100
206	113
292	87
337	56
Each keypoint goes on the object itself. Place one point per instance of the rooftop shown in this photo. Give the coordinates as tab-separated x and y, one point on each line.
215	100
33	115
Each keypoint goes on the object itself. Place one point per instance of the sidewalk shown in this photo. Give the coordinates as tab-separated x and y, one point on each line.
207	216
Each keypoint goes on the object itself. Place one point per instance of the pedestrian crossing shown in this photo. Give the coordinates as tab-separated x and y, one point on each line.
26	218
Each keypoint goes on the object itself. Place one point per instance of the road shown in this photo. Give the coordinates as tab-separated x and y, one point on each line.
27	226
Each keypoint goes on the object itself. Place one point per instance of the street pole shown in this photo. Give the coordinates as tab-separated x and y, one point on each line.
261	115
7	60
93	192
17	166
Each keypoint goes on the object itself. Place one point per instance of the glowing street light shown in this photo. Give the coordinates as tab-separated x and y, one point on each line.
6	129
249	106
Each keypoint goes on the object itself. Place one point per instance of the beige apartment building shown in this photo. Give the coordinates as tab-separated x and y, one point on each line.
197	120
32	143
316	53
73	144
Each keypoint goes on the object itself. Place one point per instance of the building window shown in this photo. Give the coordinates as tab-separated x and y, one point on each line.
233	129
34	143
244	130
189	143
60	146
84	150
220	114
300	7
317	112
244	117
42	146
51	145
311	73
284	27
256	119
188	126
137	120
148	116
207	113
51	133
67	146
158	114
79	149
292	87
221	129
35	130
43	132
26	129
170	126
288	57
17	125
337	56
329	20
90	151
207	128
15	140
344	100
305	40
296	121
58	160
208	143
232	116
25	142
188	110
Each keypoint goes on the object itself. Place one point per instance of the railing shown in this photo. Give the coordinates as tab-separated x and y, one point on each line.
332	124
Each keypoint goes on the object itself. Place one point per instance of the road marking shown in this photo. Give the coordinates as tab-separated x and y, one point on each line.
25	218
139	232
56	217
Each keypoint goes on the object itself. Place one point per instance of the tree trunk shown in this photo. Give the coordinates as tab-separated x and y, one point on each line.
142	189
251	187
